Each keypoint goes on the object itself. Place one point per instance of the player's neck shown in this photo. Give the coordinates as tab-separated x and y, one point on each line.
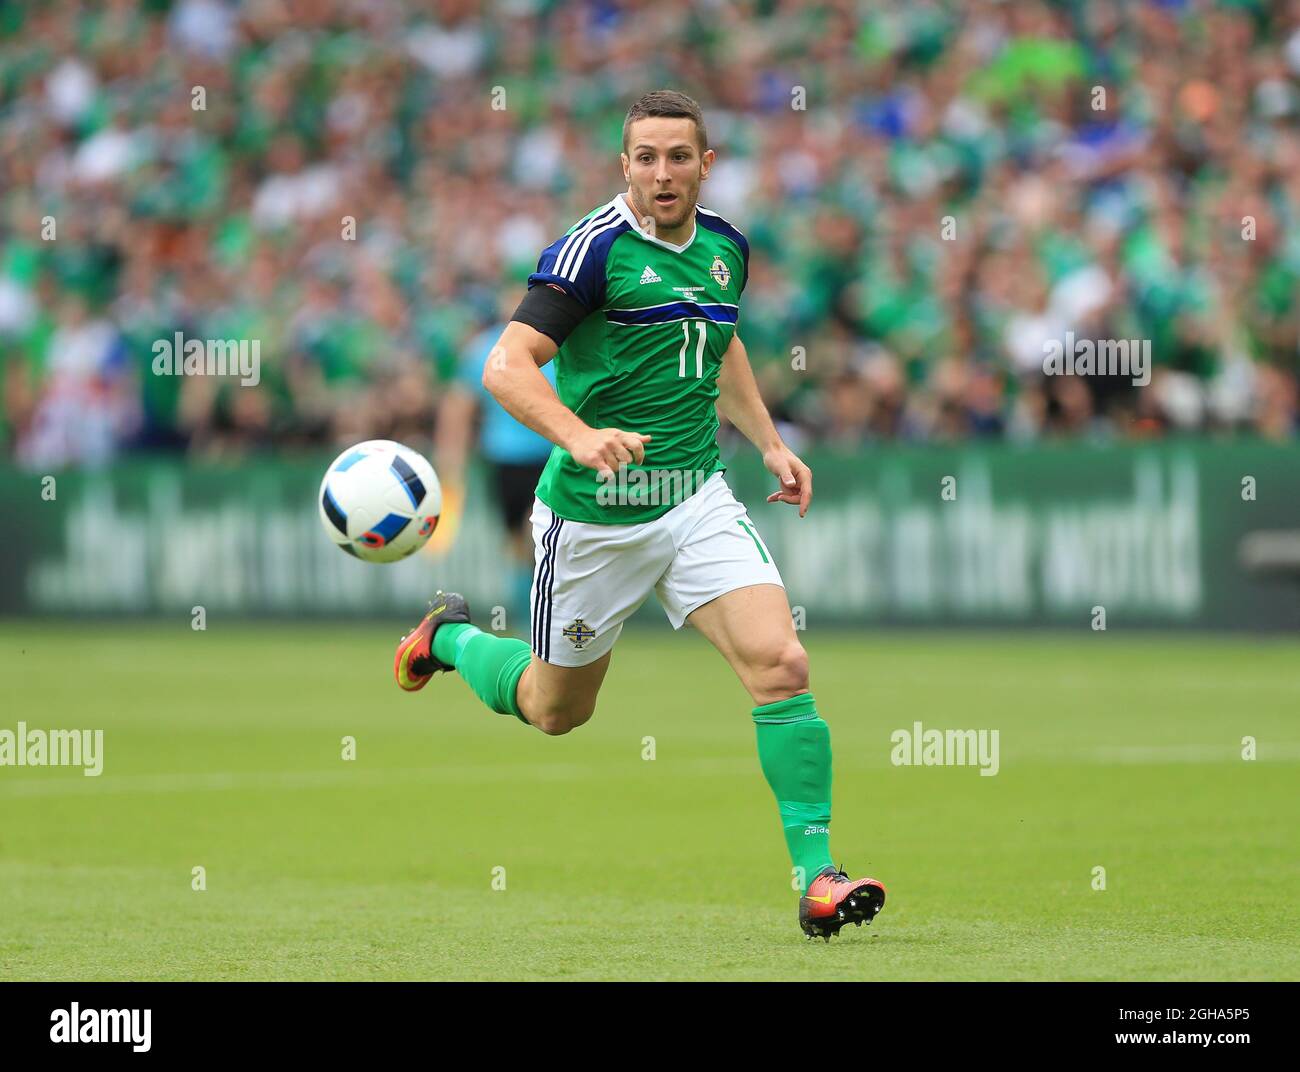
674	236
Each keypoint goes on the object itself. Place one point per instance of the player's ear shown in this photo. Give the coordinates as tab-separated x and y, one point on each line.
706	162
627	167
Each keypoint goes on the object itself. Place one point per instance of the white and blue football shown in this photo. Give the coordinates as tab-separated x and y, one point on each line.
380	501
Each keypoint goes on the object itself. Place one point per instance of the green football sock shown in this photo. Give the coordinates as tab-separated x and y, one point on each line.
794	749
491	665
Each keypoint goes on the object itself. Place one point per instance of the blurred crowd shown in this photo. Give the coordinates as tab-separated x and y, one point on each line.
931	192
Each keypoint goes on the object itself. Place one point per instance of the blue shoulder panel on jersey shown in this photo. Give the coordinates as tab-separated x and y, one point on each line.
711	221
575	263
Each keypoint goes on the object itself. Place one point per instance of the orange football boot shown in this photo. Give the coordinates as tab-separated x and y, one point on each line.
415	662
833	899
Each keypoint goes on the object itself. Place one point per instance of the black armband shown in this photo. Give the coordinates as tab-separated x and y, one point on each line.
551	311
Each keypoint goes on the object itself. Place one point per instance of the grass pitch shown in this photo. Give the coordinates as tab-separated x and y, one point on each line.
222	750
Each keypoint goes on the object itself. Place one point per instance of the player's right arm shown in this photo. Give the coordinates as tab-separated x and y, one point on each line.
513	375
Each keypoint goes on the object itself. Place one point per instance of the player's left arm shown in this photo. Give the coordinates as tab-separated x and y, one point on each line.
742	405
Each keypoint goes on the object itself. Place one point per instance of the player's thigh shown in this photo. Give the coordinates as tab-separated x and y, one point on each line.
557	699
587	581
753	629
724	582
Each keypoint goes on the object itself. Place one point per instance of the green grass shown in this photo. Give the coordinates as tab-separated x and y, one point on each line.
222	749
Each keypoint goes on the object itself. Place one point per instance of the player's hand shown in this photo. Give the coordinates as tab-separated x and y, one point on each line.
607	450
795	478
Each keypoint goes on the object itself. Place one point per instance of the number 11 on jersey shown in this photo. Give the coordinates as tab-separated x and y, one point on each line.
699	349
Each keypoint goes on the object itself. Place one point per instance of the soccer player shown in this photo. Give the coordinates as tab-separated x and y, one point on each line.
637	304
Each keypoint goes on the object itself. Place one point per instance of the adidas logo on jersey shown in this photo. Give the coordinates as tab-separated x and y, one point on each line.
649	276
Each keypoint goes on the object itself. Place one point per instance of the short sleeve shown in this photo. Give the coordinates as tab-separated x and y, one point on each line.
575	263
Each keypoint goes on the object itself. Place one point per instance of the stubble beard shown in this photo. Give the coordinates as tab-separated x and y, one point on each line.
643	212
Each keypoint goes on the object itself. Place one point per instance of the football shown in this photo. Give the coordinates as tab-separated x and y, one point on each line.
380	501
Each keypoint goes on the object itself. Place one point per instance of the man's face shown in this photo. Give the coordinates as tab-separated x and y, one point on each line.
664	169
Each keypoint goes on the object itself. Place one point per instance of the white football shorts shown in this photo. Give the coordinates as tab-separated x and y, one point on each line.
589	578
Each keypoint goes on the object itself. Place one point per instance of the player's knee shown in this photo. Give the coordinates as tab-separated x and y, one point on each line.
557	719
786	671
791	669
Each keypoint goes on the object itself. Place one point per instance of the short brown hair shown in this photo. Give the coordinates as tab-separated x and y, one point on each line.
666	104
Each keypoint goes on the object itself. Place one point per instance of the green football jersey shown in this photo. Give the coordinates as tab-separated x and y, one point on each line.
645	358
